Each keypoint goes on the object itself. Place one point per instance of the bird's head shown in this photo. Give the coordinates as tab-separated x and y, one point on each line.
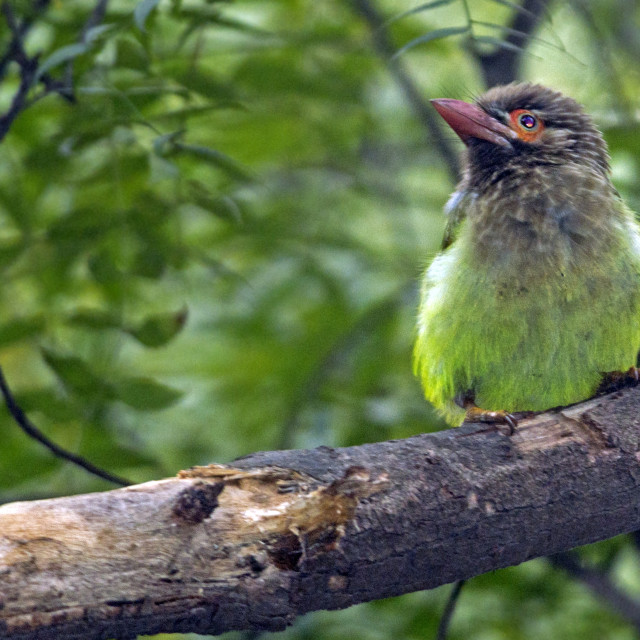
521	129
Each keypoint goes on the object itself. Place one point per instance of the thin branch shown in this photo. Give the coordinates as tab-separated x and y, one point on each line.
600	584
94	19
33	432
28	65
420	106
447	614
28	70
18	32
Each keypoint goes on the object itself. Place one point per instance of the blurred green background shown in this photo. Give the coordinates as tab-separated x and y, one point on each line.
216	247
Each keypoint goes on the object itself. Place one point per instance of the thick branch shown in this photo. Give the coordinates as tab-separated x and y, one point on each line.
286	532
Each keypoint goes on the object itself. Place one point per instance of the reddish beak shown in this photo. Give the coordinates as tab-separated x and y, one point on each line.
470	121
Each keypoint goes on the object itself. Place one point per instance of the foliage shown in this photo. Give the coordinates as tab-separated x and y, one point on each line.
215	247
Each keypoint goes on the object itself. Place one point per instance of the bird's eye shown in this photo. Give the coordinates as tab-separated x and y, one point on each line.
526	124
527	121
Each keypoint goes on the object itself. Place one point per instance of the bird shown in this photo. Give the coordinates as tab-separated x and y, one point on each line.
533	301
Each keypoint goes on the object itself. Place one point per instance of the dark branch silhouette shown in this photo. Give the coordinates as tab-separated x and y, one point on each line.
33	432
26	94
447	614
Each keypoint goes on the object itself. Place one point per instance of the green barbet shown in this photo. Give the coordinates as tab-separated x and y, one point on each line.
534	301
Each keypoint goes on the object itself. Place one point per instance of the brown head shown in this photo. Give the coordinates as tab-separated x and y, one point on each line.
536	179
518	127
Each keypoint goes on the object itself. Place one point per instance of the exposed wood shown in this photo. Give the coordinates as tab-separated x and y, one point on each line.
286	532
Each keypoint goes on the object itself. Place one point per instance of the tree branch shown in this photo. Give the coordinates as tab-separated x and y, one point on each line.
28	65
20	418
601	586
95	18
287	532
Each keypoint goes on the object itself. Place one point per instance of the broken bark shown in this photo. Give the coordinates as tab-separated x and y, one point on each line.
282	533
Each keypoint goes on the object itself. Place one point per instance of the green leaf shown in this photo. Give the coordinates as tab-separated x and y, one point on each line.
96	319
158	330
150	263
169	144
49	403
79	228
98	446
21	329
162	145
10	250
131	55
436	34
222	206
77	376
497	42
423	7
60	56
521	34
204	82
94	33
519	9
104	270
216	158
161	169
142	11
145	394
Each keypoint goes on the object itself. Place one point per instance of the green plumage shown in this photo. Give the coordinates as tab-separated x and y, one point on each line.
538	294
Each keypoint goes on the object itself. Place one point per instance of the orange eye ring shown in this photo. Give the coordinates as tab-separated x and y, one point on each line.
526	124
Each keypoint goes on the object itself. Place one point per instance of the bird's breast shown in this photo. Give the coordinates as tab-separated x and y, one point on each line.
567	225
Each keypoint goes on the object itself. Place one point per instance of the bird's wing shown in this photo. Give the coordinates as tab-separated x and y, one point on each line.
456	211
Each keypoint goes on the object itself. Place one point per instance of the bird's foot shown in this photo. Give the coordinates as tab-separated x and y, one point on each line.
616	380
503	418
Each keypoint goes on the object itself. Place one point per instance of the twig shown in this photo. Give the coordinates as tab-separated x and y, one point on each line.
19	32
28	67
422	109
600	584
33	432
94	19
447	614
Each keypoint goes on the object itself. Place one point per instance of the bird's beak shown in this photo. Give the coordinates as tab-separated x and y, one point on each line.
470	121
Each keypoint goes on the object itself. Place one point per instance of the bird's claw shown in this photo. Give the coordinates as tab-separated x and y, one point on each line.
616	380
476	414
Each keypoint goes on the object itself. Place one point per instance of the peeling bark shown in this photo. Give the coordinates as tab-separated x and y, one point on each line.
285	532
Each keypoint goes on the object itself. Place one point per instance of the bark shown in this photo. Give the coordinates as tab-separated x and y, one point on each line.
281	533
